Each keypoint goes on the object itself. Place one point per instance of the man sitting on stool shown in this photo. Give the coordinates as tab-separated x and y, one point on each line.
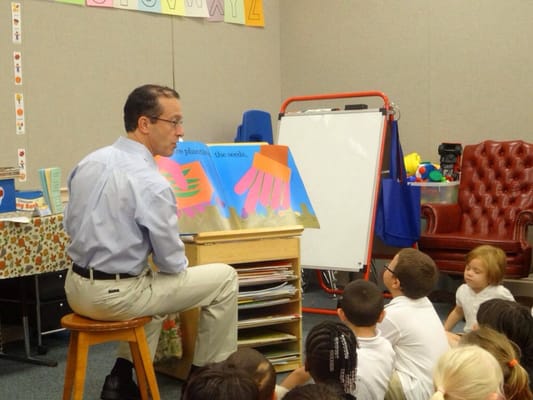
120	211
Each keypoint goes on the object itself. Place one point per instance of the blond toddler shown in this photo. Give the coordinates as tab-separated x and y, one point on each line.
483	275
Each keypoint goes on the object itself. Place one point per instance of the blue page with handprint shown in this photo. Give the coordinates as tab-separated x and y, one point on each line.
236	186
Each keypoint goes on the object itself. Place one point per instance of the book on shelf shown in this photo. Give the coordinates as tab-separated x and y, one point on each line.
267	320
263	275
262	337
223	187
51	185
263	303
261	294
280	356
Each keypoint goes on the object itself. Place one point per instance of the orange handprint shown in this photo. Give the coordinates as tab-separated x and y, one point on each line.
267	181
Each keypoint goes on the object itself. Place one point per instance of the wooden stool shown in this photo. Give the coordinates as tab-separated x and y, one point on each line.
85	332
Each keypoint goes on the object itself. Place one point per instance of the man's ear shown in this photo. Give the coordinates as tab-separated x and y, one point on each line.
142	123
381	316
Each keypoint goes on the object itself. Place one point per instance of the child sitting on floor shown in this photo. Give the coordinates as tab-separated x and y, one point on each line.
330	357
259	367
412	325
361	308
484	272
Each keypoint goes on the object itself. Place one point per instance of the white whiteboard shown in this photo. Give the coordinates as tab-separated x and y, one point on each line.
338	154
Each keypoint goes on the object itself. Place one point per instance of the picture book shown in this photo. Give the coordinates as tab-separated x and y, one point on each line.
51	185
236	186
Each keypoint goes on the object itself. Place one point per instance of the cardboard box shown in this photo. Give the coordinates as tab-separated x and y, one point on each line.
7	195
438	192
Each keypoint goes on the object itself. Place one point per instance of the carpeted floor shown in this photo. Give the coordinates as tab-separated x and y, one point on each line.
22	381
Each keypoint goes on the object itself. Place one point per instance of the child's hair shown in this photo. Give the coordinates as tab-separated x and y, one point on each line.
515	321
315	391
331	354
362	302
516	379
494	260
417	273
220	381
258	366
467	373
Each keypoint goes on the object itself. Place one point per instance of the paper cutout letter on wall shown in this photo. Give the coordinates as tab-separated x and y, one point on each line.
254	13
234	11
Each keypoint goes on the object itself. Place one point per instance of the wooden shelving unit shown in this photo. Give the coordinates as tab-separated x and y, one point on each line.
274	329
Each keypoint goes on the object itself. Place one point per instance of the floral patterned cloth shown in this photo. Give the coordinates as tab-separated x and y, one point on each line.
169	345
33	248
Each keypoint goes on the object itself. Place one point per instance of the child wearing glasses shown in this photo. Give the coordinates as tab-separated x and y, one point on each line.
412	325
483	275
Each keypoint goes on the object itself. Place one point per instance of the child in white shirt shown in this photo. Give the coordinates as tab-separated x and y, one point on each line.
361	308
484	272
412	325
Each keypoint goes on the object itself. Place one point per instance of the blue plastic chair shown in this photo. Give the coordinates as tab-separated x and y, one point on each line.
256	126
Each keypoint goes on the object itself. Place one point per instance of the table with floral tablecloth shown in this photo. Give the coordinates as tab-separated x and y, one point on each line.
33	248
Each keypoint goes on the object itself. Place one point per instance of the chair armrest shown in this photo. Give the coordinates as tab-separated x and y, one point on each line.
441	218
525	218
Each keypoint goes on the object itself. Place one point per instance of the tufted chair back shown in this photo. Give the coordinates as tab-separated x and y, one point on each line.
494	206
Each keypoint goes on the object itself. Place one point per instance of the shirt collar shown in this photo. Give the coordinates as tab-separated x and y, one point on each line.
131	146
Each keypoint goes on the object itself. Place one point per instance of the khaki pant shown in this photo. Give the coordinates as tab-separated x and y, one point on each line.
395	389
212	287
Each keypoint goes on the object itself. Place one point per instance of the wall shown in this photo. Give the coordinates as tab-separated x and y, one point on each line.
459	70
80	63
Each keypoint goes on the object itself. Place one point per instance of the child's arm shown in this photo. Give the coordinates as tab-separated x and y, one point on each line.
296	378
454	317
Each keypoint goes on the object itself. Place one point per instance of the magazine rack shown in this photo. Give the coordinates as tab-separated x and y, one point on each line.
267	259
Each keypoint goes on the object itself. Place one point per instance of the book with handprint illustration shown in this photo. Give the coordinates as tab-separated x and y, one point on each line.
221	187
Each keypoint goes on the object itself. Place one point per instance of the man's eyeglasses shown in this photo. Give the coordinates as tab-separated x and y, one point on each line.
175	123
386	266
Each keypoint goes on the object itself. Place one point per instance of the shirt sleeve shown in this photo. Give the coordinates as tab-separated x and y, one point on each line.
389	330
460	295
160	220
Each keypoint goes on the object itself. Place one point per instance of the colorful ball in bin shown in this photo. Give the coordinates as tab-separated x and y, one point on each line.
423	171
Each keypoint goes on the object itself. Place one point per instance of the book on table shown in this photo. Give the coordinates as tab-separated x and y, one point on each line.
222	187
51	185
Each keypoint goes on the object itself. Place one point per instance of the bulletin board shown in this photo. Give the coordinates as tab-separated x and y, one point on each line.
339	156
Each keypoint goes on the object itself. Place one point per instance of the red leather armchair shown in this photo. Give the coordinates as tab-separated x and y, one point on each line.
494	206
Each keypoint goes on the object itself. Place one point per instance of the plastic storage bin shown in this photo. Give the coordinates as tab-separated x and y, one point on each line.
438	192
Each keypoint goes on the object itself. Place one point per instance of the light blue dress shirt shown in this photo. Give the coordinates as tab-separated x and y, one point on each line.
120	210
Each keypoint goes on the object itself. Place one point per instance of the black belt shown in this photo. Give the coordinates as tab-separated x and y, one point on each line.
99	275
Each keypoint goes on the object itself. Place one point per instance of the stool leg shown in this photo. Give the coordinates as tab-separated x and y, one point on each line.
81	365
139	369
71	365
147	363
